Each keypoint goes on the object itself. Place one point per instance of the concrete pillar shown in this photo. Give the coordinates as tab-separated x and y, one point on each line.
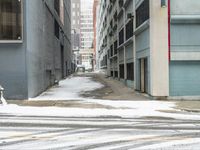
125	66
159	63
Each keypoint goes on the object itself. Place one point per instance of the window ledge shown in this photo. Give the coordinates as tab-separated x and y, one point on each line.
185	19
11	41
142	27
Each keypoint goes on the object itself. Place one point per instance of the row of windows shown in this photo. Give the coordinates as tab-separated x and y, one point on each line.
87	21
75	5
87	25
87	30
104	61
75	14
86	39
130	71
76	22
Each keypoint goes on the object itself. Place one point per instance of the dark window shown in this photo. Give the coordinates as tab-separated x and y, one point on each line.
111	50
129	29
111	73
130	71
116	74
121	37
121	2
121	69
142	13
10	20
106	57
57	6
115	47
56	29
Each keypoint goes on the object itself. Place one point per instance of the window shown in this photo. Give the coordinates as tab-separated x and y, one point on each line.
142	13
10	20
116	74
56	29
57	6
115	47
121	68
121	37
129	29
111	50
130	71
74	22
111	73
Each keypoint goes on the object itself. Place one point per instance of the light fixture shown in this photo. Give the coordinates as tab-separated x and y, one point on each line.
163	3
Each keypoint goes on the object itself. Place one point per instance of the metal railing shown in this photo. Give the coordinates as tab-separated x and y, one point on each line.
3	101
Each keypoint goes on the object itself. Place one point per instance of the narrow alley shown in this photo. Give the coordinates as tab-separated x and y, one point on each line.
95	115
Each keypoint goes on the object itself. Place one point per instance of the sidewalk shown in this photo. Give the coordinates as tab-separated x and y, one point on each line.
189	106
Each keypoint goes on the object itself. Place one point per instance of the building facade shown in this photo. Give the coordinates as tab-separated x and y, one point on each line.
76	12
95	7
87	34
35	45
151	46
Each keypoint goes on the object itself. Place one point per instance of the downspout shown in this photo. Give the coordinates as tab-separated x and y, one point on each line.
169	30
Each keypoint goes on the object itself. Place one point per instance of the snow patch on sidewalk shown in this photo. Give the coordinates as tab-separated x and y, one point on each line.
70	89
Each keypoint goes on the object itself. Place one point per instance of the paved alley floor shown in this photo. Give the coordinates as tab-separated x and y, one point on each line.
88	112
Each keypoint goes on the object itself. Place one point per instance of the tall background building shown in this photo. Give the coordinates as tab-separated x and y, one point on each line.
76	27
87	34
95	8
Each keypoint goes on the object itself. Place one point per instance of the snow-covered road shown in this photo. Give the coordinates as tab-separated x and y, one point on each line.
105	133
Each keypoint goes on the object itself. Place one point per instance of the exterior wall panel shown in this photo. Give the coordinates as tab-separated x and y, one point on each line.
185	78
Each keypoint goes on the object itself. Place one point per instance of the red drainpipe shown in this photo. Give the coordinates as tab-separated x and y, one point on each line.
169	31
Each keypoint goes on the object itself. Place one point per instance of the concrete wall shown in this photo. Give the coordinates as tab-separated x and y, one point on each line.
43	47
185	48
13	71
30	67
13	67
185	78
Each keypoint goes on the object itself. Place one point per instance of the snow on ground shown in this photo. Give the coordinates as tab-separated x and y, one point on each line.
175	144
70	89
124	109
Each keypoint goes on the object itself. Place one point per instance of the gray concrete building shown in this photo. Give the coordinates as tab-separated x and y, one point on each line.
76	14
87	34
151	45
115	39
35	45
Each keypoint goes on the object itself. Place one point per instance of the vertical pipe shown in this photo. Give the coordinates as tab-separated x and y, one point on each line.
169	30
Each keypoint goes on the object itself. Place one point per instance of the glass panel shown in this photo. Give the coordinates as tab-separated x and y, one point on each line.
10	20
142	13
